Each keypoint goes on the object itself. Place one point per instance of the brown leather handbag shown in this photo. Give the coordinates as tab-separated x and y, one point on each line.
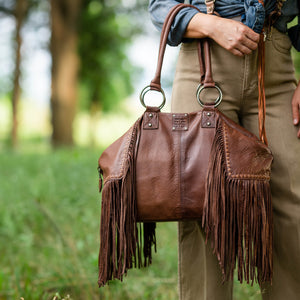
186	166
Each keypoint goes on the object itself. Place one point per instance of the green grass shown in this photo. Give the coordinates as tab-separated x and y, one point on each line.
49	225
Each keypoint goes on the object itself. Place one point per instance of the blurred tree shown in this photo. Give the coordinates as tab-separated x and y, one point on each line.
106	29
101	30
19	10
65	65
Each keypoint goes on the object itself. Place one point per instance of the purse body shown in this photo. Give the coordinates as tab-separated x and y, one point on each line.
186	166
172	156
168	178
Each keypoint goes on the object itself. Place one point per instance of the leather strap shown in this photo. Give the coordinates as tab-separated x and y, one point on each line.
201	64
205	72
156	81
261	91
210	5
261	87
206	76
205	68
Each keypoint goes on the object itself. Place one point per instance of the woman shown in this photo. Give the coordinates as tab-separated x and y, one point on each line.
235	33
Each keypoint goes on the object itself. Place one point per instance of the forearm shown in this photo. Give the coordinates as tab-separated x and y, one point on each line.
199	26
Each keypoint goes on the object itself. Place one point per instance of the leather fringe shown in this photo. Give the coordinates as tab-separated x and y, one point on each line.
261	90
237	218
121	238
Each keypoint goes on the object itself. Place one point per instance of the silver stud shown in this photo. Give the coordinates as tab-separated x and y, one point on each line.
173	128
185	115
150	115
208	123
185	128
209	114
150	124
174	116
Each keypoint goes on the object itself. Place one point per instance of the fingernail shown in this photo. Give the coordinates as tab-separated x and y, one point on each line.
295	121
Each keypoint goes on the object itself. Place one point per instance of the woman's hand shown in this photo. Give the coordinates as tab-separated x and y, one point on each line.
234	36
296	108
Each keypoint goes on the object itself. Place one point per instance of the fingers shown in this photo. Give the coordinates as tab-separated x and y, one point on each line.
245	49
296	105
251	35
296	108
252	43
236	52
242	40
296	118
242	48
246	40
234	36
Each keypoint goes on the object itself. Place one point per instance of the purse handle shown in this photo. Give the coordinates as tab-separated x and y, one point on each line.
206	79
155	84
156	81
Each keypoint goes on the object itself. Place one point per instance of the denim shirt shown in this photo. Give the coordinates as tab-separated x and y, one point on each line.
251	11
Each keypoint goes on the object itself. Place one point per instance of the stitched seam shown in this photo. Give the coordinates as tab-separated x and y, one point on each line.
244	80
181	186
118	176
228	165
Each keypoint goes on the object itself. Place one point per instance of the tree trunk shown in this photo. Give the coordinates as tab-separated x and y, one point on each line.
20	13
95	108
65	66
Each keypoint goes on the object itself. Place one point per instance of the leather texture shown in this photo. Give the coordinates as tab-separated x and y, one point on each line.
171	166
174	167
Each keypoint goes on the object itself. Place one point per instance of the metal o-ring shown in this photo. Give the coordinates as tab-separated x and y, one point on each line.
201	88
146	90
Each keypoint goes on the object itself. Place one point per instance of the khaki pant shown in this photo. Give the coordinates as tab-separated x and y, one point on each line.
199	274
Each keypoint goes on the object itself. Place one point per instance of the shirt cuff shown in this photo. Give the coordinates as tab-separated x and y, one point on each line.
179	26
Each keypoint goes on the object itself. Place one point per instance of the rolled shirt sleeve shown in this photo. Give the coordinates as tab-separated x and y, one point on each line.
251	11
158	11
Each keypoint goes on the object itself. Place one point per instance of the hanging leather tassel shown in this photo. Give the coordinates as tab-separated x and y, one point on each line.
237	216
121	238
261	90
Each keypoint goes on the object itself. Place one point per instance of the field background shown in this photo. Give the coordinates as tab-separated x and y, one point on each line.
49	199
49	224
